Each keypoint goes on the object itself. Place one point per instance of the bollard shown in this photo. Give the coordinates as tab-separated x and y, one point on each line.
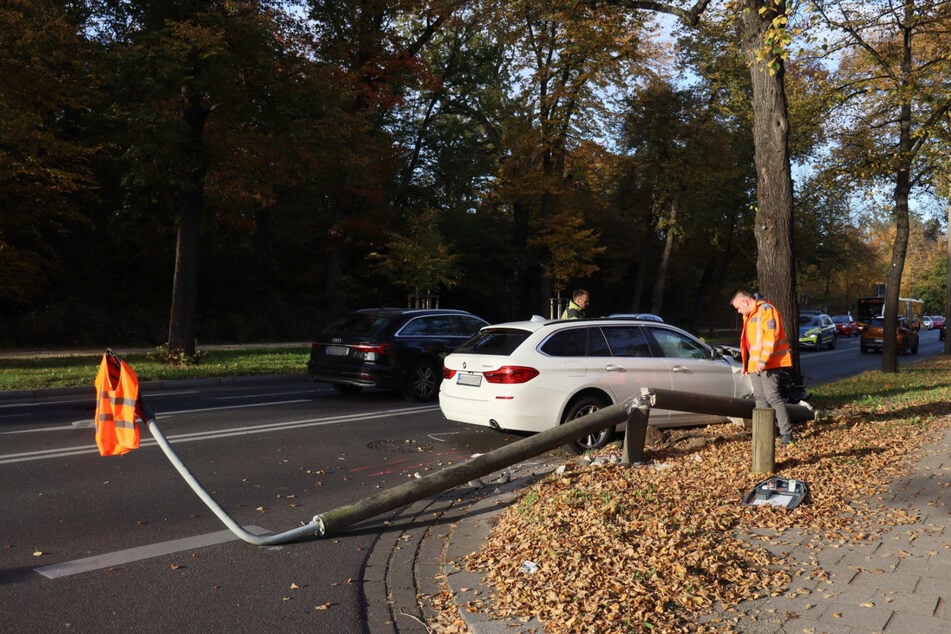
764	450
635	433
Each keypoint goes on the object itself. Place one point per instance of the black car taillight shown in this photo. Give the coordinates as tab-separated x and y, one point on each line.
370	352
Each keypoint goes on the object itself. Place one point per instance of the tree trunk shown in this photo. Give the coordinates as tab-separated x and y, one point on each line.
181	323
774	191
947	291
657	304
902	191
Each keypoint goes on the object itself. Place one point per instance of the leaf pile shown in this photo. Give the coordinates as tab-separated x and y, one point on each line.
655	547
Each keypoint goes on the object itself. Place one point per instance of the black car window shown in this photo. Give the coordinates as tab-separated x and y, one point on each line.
627	341
597	344
440	325
567	343
677	346
466	324
416	326
360	325
496	342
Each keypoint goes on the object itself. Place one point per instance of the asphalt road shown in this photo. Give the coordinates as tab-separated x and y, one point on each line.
122	543
273	455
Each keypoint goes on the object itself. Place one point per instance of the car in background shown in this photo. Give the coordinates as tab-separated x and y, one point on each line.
534	375
816	330
927	323
845	325
937	321
398	349
873	336
644	316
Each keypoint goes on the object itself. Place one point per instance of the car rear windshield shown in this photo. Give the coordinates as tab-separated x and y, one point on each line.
495	342
359	325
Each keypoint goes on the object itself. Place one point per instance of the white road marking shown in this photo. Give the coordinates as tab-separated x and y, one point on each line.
120	557
60	452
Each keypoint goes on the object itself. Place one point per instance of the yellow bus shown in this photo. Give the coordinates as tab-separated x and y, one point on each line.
867	307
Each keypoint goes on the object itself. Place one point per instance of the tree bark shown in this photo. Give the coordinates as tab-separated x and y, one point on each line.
181	323
774	189
903	165
947	292
657	303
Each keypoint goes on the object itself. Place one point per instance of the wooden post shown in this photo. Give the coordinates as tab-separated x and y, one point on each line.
764	450
635	434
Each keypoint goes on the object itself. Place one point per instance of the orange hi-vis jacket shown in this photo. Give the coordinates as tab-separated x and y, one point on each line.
764	339
117	388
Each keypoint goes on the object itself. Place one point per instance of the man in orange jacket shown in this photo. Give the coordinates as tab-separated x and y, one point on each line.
765	352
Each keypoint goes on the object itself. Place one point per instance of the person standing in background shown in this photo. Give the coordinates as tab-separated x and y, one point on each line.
579	301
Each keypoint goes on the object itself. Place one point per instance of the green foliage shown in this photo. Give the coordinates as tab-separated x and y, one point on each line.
44	159
419	261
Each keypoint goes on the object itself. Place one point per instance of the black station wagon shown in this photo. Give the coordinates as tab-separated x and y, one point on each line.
397	349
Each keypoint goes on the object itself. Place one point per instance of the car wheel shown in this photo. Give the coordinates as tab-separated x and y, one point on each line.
423	383
832	343
346	388
582	407
914	347
863	348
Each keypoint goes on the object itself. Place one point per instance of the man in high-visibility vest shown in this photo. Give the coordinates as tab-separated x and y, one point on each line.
765	352
579	301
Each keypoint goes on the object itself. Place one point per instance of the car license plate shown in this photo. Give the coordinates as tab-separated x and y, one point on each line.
336	351
474	380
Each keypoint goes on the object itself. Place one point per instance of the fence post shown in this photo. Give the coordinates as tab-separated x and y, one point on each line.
764	450
635	433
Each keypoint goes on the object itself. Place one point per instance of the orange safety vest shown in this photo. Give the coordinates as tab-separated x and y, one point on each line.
764	339
117	388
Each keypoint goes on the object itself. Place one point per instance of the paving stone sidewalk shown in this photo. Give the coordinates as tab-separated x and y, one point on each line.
900	581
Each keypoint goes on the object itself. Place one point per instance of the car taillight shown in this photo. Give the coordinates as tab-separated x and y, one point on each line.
511	374
370	352
447	373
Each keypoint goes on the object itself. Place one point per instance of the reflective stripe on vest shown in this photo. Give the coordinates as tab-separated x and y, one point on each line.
117	407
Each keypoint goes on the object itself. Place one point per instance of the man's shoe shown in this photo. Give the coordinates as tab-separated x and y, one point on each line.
786	439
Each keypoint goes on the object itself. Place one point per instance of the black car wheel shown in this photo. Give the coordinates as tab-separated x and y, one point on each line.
423	384
832	343
582	407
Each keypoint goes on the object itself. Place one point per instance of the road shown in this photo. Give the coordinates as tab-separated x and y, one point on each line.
272	455
121	543
824	365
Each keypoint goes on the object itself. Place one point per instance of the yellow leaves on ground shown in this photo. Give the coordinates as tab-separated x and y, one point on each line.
655	547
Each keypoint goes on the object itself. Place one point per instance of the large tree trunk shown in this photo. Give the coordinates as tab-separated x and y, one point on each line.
774	190
181	323
902	191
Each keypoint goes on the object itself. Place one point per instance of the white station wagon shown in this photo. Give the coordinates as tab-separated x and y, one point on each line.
532	375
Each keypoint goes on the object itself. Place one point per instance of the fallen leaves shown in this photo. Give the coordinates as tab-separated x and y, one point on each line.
668	544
